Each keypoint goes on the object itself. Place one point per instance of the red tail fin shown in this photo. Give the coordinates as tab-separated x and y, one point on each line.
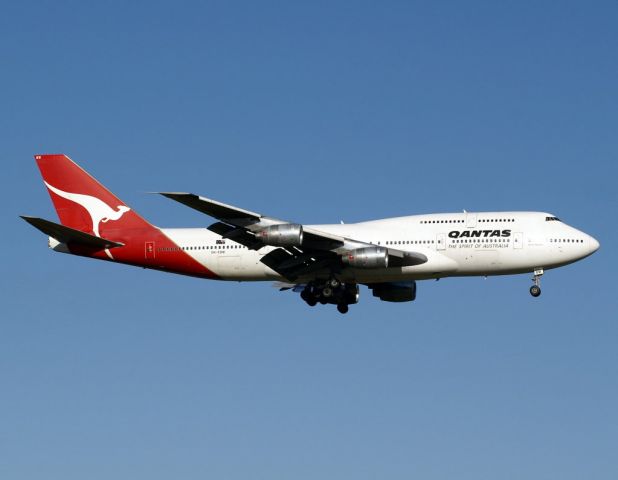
82	202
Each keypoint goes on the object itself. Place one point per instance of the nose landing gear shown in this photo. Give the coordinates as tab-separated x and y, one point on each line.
535	290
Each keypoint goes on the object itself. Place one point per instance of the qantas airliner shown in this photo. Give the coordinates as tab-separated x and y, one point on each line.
324	263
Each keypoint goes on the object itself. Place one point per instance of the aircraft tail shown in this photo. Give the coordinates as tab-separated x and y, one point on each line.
82	203
97	224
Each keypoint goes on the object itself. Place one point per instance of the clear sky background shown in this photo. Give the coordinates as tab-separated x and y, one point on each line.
315	112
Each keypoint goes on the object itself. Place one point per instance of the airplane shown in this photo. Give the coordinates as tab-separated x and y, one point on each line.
324	263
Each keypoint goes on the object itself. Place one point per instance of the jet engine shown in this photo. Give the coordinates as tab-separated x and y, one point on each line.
284	235
369	257
394	291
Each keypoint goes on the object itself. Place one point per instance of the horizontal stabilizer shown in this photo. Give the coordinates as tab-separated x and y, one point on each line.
69	235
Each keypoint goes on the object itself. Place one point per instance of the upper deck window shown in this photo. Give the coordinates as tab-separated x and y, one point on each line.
552	219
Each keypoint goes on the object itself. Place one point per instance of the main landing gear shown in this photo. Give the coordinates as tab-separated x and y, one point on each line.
535	290
331	291
342	307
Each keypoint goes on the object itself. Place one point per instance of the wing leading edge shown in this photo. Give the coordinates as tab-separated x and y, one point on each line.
307	250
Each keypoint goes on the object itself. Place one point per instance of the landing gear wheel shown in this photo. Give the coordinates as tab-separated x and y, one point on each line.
342	307
312	302
327	292
334	283
535	290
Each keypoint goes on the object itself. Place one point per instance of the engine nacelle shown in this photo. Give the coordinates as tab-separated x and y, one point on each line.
395	292
284	235
369	257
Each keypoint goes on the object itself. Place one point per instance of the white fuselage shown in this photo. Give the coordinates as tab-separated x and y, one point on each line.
456	244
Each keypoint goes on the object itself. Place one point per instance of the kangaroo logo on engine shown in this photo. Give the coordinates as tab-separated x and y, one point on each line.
479	233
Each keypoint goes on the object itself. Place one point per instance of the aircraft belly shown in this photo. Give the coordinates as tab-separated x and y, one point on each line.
507	261
246	267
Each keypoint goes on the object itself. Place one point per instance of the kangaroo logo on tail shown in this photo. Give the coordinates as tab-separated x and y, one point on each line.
98	210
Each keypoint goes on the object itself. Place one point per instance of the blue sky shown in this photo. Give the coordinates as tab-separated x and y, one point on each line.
313	112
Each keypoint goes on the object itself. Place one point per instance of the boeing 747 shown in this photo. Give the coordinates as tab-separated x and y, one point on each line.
324	263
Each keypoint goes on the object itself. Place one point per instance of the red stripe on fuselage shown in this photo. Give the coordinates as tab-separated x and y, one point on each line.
165	256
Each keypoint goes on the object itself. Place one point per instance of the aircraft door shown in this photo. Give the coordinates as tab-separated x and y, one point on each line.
470	220
440	241
149	250
518	240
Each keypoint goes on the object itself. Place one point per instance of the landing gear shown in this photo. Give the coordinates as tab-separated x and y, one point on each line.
333	283
308	297
535	290
331	291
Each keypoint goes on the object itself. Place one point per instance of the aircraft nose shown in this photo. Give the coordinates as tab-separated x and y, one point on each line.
593	244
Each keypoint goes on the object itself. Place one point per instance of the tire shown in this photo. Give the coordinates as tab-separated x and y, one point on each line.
343	308
334	283
327	292
535	291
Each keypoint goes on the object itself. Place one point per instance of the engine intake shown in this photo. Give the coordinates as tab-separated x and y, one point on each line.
284	235
369	257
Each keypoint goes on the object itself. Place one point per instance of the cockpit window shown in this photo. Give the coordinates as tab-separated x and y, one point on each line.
552	219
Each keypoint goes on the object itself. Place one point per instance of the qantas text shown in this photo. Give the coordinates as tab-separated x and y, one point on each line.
479	233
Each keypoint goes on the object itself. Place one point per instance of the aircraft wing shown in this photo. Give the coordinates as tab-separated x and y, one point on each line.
315	249
226	213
